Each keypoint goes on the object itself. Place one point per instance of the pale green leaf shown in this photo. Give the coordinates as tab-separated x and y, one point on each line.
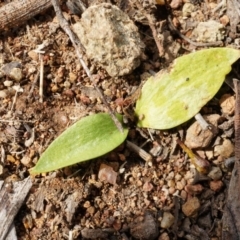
172	97
88	138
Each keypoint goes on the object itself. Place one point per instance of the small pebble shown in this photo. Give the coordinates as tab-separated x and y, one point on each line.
13	70
179	186
183	182
216	186
26	160
178	177
106	173
3	94
171	183
69	93
171	190
144	227
67	84
224	20
187	9
191	207
94	233
215	173
91	210
164	236
176	4
54	88
196	137
167	220
188	175
72	77
8	83
183	194
227	103
33	55
147	187
225	150
194	189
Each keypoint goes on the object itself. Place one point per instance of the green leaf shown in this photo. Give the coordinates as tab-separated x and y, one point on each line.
90	137
170	98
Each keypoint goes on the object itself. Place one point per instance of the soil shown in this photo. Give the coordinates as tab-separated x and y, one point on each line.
162	199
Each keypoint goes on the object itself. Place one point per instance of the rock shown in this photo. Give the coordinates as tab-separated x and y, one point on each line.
106	173
33	55
8	83
13	70
167	220
194	189
225	150
110	38
164	236
176	4
224	20
3	94
191	207
67	84
227	103
215	173
72	77
94	233
187	9
210	31
147	187
216	186
179	185
196	137
205	221
144	227
26	160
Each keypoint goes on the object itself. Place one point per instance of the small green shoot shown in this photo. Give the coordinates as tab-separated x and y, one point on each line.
90	137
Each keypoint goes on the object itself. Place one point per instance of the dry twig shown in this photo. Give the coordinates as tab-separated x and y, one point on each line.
231	220
17	12
143	154
41	79
77	45
11	201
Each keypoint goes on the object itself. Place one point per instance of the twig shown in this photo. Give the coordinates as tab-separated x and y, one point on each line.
15	98
33	84
76	43
211	44
201	164
231	220
18	11
176	215
202	122
143	154
3	155
153	28
41	79
11	203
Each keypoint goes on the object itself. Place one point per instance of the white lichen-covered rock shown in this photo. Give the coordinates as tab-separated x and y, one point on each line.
110	38
210	31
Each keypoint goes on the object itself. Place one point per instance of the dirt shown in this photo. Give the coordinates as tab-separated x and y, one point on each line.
162	199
